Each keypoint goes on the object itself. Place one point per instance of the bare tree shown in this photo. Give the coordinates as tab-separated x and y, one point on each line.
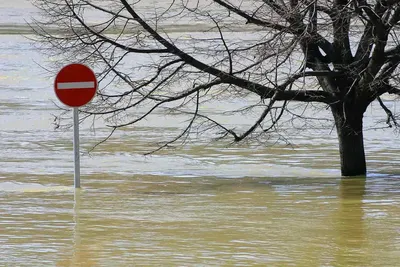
341	53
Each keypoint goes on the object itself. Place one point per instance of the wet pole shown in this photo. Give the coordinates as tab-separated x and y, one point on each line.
77	172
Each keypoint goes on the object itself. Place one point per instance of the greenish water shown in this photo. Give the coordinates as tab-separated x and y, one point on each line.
147	220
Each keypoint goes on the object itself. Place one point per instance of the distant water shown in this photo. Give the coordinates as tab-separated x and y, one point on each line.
16	11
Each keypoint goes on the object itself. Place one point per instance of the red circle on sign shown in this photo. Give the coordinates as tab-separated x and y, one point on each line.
75	85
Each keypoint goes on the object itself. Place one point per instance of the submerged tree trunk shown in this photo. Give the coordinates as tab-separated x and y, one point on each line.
349	126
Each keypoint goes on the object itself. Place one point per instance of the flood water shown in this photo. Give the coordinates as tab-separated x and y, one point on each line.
206	203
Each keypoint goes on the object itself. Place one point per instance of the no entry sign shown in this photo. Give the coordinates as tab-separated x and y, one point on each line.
75	85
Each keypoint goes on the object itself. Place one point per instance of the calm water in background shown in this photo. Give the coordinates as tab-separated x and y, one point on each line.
204	204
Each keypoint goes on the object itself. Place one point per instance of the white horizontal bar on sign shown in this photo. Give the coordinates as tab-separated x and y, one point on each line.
75	85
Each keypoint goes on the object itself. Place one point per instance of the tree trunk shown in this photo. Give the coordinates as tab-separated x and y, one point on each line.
349	126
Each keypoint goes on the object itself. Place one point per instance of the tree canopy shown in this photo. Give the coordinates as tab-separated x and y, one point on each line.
341	53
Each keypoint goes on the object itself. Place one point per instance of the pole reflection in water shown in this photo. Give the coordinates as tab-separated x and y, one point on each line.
77	239
82	255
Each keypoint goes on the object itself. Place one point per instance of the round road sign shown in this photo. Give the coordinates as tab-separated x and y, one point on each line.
75	85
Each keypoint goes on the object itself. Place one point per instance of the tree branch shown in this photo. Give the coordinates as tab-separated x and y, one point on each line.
186	131
253	20
390	117
108	40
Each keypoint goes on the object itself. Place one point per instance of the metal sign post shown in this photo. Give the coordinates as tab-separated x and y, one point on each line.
75	86
77	171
